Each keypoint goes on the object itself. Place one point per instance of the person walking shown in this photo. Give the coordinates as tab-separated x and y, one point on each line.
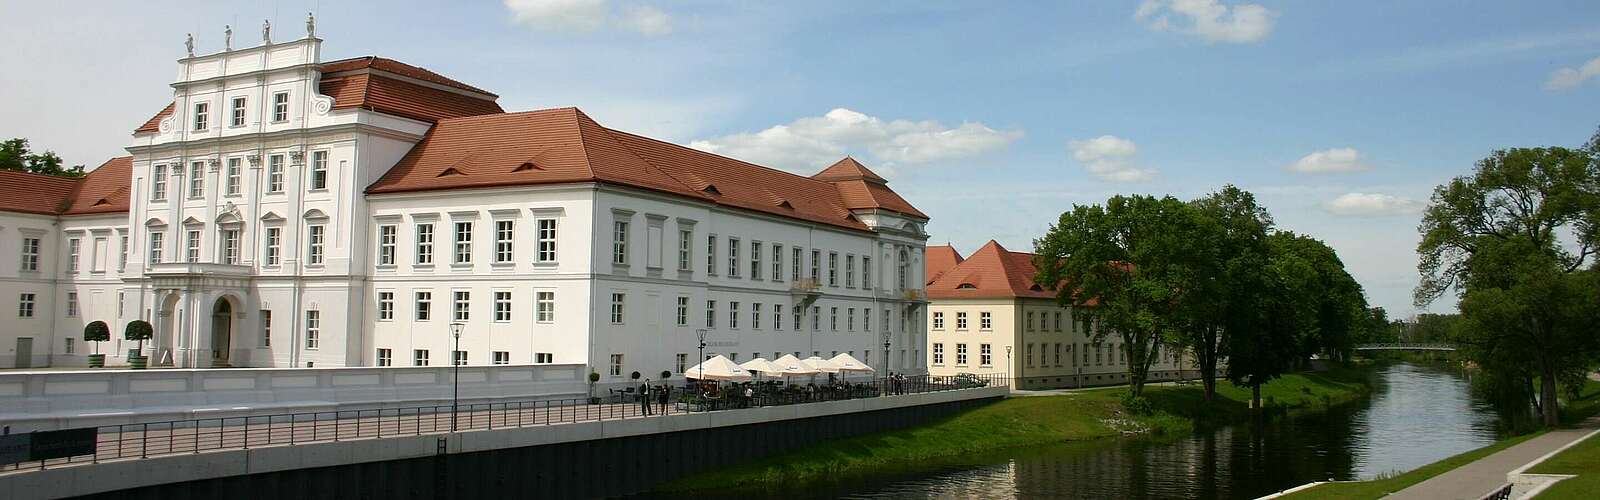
662	396
644	397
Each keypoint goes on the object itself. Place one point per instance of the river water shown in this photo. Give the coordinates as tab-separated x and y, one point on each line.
1418	414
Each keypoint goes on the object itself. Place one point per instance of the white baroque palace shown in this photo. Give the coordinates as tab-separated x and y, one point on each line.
284	211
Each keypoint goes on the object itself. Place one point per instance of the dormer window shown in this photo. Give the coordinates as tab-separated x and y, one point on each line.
202	112
966	286
237	117
280	107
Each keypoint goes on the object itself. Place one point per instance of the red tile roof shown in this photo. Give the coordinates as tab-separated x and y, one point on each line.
104	190
35	193
863	189
564	145
376	91
940	258
991	272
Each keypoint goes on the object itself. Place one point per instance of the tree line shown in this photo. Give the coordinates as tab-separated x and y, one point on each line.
15	154
1211	277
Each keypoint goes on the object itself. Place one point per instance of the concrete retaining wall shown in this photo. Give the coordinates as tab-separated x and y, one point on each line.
46	400
580	460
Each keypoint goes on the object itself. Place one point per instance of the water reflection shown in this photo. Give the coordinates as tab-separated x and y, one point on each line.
1418	415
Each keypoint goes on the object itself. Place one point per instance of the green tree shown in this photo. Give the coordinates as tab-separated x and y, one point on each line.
1267	340
15	155
1229	248
1514	240
1122	266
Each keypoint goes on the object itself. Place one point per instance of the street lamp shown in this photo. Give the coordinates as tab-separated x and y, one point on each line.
1008	365
702	333
886	375
455	359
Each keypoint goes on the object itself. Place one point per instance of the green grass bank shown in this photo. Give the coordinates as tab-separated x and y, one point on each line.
1586	454
1028	421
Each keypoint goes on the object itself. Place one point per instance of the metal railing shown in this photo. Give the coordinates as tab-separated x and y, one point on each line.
154	439
1407	346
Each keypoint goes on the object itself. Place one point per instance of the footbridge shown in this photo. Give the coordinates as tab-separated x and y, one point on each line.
1407	346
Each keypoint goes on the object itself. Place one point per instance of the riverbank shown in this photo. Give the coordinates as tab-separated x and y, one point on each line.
1174	410
1581	460
1586	454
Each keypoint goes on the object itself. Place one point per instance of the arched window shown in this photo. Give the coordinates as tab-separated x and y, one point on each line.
904	269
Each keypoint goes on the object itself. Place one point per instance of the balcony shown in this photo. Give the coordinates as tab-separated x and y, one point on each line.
805	292
170	269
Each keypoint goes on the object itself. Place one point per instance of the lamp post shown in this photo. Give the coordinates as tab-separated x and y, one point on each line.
455	378
886	375
1008	365
702	334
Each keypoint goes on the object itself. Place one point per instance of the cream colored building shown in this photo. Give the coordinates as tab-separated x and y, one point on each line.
986	316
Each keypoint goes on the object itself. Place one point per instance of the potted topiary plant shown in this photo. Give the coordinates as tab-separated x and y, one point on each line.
593	377
634	376
141	331
97	332
665	374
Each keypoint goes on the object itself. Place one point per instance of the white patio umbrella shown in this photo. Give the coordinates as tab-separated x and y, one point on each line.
761	366
821	365
848	363
792	366
718	368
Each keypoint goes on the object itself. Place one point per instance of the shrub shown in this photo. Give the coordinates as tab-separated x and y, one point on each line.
665	374
594	377
1137	405
138	330
96	331
634	375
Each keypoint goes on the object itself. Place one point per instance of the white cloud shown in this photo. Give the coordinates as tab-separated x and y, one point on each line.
1208	19
809	143
1372	205
1331	161
1566	78
1110	158
587	15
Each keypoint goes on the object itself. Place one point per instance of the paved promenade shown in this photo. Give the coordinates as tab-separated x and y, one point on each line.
1472	481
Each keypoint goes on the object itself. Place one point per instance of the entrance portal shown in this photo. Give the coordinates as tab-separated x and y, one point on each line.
221	332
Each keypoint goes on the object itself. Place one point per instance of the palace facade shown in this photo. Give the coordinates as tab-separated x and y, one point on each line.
289	211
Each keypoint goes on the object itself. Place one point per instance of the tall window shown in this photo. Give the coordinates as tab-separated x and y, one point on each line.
547	241
385	357
833	269
777	262
1029	322
462	305
904	270
617	300
866	272
619	242
273	246
545	307
505	232
683	310
156	243
388	236
202	112
463	246
755	260
313	328
711	314
682	363
733	257
850	319
122	259
850	271
280	107
315	241
458	358
961	321
794	264
319	170
237	117
419	357
985	320
385	306
684	235
275	174
711	255
777	317
938	353
833	319
230	246
961	355
985	355
72	304
733	315
796	322
30	254
424	243
816	318
74	248
502	306
266	327
616	365
232	185
816	266
866	320
158	183
191	246
197	179
938	320
424	306
25	304
755	317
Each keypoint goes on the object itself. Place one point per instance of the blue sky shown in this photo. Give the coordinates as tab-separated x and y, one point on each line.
991	117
